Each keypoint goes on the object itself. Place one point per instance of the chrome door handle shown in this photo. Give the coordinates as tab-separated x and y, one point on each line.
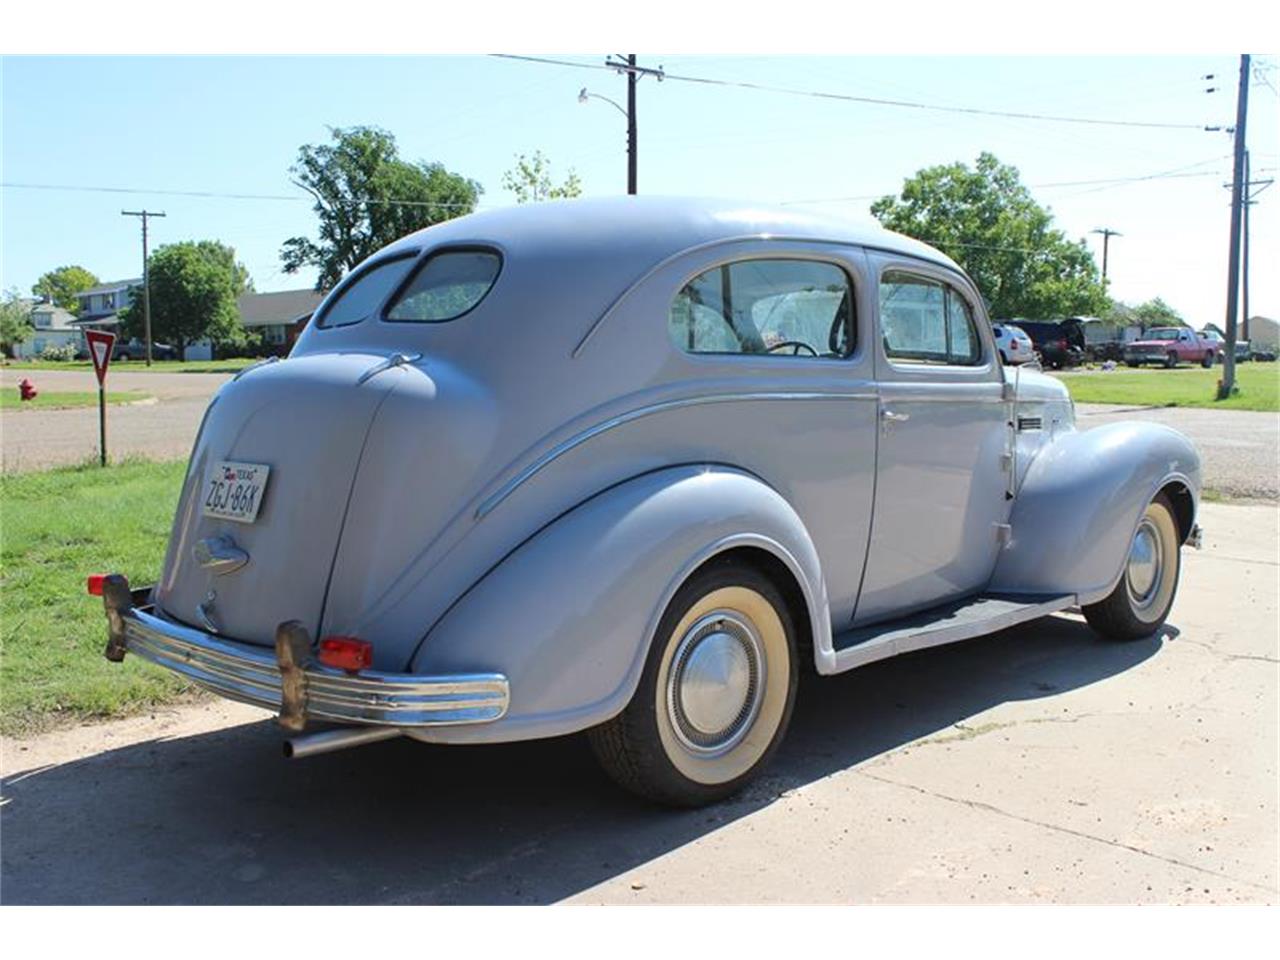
895	417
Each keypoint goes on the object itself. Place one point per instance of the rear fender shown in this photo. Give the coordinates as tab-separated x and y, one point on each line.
568	617
1080	503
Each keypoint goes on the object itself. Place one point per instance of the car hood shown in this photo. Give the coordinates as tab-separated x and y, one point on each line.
1151	343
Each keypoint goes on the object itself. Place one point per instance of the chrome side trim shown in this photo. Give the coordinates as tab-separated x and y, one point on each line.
251	675
489	503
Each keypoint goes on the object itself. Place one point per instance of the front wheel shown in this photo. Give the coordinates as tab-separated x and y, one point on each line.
1171	360
1139	604
716	694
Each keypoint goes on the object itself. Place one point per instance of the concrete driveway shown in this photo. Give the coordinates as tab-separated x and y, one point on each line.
1037	765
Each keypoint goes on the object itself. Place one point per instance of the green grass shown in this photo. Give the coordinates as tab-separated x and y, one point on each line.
1258	387
57	527
9	399
138	366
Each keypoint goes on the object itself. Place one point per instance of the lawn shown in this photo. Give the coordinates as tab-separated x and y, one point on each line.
1258	385
9	399
137	366
57	527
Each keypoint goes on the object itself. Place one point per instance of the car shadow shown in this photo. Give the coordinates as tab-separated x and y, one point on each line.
220	818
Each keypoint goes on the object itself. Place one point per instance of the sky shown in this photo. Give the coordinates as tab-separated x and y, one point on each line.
233	125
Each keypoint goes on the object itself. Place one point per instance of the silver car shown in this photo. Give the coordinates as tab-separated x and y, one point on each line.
628	467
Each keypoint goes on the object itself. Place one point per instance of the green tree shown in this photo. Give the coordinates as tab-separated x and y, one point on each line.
62	285
194	285
987	221
1156	313
15	321
530	180
366	197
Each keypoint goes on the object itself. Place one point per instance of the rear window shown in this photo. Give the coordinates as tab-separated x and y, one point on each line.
448	285
365	293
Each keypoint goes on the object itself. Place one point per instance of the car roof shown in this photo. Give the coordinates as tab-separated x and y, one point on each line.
652	227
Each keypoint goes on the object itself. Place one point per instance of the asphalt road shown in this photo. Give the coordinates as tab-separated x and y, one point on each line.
1036	765
1239	449
36	439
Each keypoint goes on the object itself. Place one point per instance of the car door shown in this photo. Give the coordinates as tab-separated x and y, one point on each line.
943	443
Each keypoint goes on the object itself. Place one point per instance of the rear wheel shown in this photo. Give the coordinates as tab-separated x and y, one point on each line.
716	694
1139	604
1207	360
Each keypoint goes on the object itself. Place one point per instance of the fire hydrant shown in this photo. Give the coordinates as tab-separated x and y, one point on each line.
26	389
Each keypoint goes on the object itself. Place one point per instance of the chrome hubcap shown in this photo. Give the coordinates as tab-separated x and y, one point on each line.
1145	562
716	682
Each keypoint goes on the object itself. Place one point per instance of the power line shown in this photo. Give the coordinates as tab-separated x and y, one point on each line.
874	101
210	194
1170	175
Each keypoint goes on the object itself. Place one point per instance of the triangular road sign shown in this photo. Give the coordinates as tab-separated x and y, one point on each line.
100	344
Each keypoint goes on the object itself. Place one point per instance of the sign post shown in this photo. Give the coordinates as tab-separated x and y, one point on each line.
100	344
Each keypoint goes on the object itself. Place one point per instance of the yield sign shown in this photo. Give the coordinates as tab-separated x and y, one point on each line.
100	344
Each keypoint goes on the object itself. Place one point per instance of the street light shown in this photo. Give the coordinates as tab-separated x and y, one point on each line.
584	95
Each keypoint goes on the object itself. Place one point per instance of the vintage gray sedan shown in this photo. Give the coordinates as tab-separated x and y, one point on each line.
627	467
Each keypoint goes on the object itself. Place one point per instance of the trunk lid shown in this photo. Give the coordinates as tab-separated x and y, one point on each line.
307	420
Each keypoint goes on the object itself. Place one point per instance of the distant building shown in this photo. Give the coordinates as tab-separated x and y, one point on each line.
1263	331
100	306
53	327
277	316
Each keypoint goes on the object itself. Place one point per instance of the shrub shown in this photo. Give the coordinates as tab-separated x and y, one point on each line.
59	352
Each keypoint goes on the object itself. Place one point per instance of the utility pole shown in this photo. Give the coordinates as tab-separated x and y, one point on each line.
1107	234
1244	267
628	66
146	273
1227	384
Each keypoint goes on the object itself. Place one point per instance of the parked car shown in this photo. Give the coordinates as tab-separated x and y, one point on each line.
1052	342
627	467
1012	343
1265	354
1170	346
136	349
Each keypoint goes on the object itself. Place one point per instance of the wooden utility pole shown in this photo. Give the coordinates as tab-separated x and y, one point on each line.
1227	383
146	273
628	66
1107	234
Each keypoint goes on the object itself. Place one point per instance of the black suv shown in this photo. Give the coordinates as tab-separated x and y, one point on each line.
1053	341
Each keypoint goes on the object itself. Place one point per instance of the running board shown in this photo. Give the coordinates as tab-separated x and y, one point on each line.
959	620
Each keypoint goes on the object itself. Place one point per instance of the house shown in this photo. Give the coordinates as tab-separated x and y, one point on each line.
277	316
100	305
1263	331
53	327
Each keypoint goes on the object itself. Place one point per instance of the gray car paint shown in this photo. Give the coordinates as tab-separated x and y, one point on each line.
445	474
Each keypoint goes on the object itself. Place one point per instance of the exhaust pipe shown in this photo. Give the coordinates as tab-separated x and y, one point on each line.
329	740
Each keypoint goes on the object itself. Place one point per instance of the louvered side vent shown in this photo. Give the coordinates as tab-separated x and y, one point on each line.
1030	423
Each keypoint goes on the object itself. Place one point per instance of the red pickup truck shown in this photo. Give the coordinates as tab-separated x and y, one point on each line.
1171	346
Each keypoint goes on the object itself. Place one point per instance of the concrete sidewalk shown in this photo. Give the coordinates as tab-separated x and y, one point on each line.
1039	765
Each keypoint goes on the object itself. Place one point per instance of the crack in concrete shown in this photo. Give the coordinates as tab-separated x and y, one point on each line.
1222	654
989	808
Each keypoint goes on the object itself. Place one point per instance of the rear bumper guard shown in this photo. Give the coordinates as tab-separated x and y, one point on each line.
290	679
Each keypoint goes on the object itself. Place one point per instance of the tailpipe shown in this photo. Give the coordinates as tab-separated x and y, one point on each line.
329	740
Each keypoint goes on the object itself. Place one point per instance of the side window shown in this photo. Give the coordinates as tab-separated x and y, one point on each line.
359	298
924	321
783	308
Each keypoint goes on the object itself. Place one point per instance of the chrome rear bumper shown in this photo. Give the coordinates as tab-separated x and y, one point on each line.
255	675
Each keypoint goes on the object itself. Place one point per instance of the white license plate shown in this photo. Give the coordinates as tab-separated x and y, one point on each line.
233	491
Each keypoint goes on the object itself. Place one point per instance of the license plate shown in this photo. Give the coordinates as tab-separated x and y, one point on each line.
233	491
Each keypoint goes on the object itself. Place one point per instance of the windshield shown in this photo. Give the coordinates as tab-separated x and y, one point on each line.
1164	333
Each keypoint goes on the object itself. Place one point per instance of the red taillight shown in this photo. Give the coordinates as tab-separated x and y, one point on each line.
346	653
94	583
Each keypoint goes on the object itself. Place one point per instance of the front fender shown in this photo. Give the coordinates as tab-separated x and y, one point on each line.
569	615
1080	503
